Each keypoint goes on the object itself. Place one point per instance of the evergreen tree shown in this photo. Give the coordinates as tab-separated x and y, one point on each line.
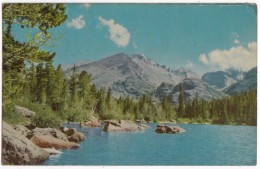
41	84
181	102
73	89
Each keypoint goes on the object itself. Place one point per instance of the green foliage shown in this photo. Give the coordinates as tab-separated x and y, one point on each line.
10	115
17	81
46	118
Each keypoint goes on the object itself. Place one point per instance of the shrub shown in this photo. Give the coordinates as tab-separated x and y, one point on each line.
10	115
46	119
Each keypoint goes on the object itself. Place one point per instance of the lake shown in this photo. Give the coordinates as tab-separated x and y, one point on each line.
199	145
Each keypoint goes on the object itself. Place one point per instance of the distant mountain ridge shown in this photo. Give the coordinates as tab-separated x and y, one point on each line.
248	83
131	75
137	75
191	88
223	79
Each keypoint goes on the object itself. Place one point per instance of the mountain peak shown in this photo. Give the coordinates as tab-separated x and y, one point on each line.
223	79
182	70
141	57
186	73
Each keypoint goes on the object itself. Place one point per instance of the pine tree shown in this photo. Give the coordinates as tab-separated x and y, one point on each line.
85	90
41	86
181	102
108	98
73	89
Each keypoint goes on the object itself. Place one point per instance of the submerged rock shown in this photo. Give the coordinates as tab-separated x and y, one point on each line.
18	150
169	129
47	141
122	126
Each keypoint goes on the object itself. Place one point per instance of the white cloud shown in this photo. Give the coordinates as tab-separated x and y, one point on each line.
117	33
236	41
203	58
77	23
86	5
239	57
189	65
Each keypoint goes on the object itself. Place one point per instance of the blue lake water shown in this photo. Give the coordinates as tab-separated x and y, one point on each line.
199	145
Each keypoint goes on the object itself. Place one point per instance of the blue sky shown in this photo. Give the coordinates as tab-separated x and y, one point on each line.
199	37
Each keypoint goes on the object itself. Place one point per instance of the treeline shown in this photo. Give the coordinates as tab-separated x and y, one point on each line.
46	90
77	98
238	109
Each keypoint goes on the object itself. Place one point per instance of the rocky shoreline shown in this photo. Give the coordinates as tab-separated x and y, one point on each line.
29	145
22	146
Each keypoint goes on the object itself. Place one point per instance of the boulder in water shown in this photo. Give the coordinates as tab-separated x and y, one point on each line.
93	122
47	141
122	126
77	137
169	129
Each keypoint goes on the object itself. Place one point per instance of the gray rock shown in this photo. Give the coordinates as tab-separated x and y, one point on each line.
52	151
70	131
23	130
122	126
169	129
77	137
24	111
47	141
49	131
18	150
93	122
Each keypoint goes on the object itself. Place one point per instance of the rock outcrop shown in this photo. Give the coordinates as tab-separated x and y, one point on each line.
72	134
93	122
52	151
77	137
23	130
169	129
50	132
18	150
24	111
122	126
47	141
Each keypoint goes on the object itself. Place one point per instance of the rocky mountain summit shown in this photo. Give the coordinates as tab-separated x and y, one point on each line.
248	83
223	79
131	75
191	88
